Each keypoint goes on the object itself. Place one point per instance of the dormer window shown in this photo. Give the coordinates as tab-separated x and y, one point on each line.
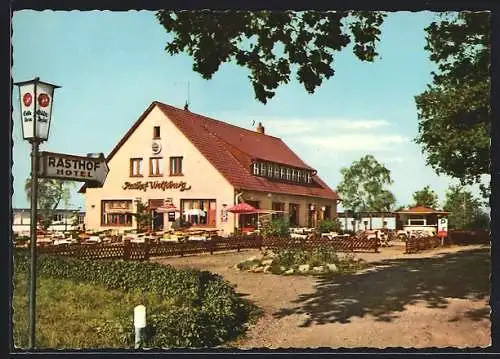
282	172
288	174
300	176
309	177
276	171
294	175
270	170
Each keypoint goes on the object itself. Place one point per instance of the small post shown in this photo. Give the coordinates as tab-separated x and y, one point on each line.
139	324
126	248
146	248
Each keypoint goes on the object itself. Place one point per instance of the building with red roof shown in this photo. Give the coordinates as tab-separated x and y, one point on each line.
421	218
203	166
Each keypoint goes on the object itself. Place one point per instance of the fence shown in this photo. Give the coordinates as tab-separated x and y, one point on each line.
341	244
472	236
417	244
143	251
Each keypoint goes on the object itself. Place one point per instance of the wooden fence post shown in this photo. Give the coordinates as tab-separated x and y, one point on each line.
146	248
126	249
212	246
352	243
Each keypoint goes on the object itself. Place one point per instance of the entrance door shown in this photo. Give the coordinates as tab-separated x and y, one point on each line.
157	220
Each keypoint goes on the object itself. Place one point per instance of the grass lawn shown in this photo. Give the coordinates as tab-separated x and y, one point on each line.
77	315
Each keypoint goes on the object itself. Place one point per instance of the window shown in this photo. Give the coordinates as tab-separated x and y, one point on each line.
175	166
199	212
282	172
256	169
276	171
263	169
156	132
288	174
294	175
309	177
278	206
116	213
57	217
155	166
270	168
416	222
135	167
300	176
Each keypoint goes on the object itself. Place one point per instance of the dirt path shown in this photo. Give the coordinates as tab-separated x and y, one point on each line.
437	298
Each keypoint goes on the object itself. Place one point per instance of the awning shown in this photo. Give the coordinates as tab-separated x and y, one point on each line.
167	208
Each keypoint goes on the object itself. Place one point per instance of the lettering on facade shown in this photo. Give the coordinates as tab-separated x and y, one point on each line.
163	185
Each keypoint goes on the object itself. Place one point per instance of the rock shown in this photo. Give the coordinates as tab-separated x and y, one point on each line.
318	269
290	271
267	269
332	267
303	268
258	269
267	262
282	268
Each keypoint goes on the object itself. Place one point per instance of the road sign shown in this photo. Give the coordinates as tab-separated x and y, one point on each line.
92	170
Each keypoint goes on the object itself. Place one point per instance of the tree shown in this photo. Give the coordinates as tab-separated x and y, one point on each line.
454	116
271	44
465	210
425	197
362	186
143	217
50	194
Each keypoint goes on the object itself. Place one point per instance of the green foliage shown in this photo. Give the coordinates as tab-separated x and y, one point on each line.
426	197
180	223
271	44
363	186
50	194
143	217
206	311
329	225
276	228
454	112
466	212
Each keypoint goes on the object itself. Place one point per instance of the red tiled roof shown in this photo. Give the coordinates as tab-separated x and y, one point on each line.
231	150
421	210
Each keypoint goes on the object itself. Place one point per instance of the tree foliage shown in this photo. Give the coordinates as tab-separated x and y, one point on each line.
466	212
271	44
426	197
51	193
363	186
454	115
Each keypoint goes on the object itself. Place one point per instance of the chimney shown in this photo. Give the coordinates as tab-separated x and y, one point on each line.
260	128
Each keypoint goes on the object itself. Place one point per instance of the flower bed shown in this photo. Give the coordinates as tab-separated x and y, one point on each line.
298	261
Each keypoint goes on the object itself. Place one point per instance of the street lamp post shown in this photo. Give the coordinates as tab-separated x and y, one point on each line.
36	110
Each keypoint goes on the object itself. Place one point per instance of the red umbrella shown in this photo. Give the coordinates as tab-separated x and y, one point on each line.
167	208
242	208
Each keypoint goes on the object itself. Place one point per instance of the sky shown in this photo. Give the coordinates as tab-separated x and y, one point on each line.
112	65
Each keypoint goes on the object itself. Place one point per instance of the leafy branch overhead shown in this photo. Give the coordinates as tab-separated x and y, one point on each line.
271	44
454	115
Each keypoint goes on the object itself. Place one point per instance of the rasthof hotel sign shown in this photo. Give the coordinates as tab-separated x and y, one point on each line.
163	185
75	168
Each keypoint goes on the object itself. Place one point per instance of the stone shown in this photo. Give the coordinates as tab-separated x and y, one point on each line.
258	269
267	269
267	262
282	268
290	271
303	268
318	269
332	267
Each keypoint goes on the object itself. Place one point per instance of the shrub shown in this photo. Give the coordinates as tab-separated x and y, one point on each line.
276	228
329	225
206	310
180	223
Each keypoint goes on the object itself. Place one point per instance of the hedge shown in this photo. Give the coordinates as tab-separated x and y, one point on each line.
206	312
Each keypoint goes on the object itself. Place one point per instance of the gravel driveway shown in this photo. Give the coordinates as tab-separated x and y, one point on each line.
438	298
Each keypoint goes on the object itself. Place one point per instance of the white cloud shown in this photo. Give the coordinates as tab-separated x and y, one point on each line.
355	142
289	127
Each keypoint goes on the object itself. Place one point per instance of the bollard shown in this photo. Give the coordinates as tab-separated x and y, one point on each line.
139	324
